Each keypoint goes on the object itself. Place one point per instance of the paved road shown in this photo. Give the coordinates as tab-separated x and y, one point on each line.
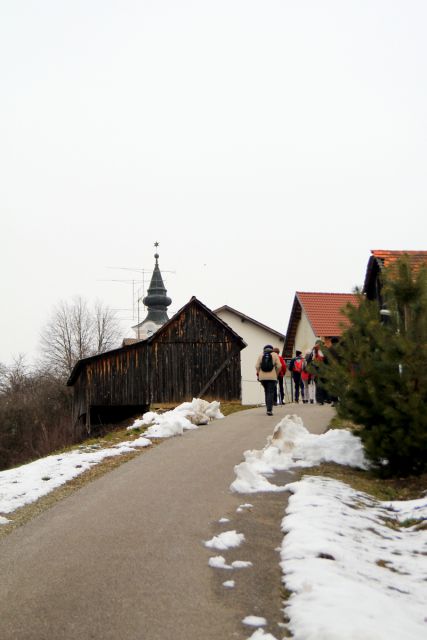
122	558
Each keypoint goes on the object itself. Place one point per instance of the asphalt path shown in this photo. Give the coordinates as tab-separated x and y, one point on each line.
123	557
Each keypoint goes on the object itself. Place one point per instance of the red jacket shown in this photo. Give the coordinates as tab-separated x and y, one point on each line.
283	369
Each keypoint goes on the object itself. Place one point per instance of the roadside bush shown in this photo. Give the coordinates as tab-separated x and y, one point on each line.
378	371
35	414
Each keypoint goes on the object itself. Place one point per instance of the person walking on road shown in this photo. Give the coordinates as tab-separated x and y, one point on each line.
317	357
307	379
281	399
295	367
268	366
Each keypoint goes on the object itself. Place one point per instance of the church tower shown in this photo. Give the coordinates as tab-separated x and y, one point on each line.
156	302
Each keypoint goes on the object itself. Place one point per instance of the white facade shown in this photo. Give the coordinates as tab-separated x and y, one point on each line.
256	337
304	337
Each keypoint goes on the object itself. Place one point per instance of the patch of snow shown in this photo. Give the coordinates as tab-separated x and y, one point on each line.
408	509
290	446
187	416
225	540
260	634
339	555
218	562
254	621
228	584
29	482
241	564
242	507
224	520
3	520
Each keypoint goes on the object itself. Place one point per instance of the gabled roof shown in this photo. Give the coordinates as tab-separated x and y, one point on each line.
138	343
323	312
246	318
196	302
381	258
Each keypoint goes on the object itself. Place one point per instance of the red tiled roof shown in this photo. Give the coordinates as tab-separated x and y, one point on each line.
416	258
381	258
324	311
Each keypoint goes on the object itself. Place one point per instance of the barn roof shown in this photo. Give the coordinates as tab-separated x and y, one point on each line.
246	318
381	258
195	301
323	311
136	345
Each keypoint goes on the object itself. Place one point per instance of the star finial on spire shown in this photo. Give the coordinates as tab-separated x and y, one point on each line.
156	255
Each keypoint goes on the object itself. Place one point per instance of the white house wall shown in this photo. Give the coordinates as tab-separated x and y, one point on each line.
255	337
304	337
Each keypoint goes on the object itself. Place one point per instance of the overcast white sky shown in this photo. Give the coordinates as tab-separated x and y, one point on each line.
267	145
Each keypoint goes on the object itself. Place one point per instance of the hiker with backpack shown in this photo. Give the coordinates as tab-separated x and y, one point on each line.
295	367
268	367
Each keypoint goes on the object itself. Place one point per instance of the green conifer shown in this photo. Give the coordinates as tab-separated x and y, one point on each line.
379	372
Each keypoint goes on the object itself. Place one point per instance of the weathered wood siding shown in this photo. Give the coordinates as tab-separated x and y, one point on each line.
188	353
116	378
193	355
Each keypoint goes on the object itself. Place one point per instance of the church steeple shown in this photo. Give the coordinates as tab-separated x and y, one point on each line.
156	302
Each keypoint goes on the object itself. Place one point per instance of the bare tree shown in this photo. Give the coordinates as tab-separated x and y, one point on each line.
74	332
13	377
106	328
35	413
3	377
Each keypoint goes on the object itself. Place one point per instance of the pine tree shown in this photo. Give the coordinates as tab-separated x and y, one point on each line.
379	372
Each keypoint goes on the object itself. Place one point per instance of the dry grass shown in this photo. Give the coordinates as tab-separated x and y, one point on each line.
383	489
341	423
228	408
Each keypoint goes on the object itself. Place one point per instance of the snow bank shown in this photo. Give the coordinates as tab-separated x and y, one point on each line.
29	482
352	568
351	575
292	445
186	416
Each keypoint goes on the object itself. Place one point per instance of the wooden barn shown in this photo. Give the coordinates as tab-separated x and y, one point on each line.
194	354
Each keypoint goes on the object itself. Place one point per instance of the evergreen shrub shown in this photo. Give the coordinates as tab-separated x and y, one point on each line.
378	371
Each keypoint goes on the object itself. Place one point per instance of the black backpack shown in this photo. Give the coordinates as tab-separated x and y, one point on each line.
267	363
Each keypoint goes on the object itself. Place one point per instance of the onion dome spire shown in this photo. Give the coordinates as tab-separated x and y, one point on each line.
156	302
156	299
